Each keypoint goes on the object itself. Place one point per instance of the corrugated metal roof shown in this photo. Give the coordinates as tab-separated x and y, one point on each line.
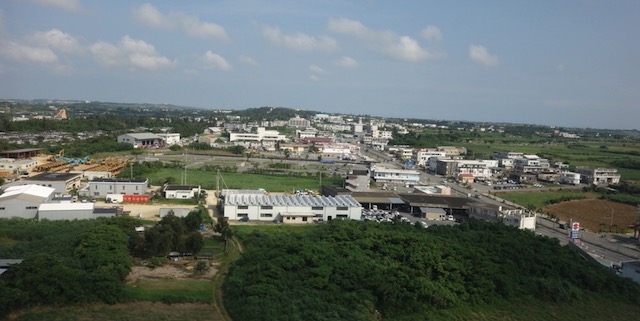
290	200
144	136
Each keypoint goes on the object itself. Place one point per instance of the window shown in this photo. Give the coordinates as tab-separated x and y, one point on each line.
109	187
341	216
1	208
136	188
243	207
304	219
96	193
342	208
317	208
32	207
243	214
266	215
266	207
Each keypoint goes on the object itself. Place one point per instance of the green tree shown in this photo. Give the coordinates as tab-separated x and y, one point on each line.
104	246
223	227
193	220
193	243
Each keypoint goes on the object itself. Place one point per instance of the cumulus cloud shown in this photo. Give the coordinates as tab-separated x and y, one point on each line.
130	52
481	55
299	41
402	48
314	78
57	40
317	69
431	33
25	53
248	60
149	15
347	62
215	61
68	5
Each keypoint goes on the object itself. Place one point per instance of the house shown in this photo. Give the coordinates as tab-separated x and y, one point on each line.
99	188
61	182
567	177
598	175
290	209
141	140
465	178
421	156
531	164
23	200
181	191
509	216
170	138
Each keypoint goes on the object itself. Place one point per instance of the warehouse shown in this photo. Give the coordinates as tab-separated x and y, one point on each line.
23	201
61	182
290	209
99	188
72	211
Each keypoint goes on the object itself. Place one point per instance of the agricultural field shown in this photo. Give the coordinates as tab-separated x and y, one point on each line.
596	215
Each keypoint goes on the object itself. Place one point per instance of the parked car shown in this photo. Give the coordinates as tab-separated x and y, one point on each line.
244	219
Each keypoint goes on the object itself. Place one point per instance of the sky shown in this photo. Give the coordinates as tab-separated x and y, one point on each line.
567	63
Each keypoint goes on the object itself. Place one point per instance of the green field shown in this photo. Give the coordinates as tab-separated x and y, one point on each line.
270	183
540	199
170	290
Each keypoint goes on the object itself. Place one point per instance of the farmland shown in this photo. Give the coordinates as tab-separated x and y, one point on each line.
596	215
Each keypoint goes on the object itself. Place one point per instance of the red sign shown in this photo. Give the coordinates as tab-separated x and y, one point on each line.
135	198
575	226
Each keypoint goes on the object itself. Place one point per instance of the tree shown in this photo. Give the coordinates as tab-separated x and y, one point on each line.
193	243
193	220
223	227
104	246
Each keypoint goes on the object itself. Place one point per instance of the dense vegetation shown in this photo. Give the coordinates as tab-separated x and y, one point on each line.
347	270
70	262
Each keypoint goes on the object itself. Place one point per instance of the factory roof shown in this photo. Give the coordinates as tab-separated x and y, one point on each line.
290	200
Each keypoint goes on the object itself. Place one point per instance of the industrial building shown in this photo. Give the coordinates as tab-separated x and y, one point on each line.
394	176
61	182
141	140
100	188
22	201
290	209
73	211
181	191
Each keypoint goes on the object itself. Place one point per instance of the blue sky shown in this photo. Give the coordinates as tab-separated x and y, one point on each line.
573	63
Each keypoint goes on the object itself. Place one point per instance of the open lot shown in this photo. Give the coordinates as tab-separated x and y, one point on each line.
596	215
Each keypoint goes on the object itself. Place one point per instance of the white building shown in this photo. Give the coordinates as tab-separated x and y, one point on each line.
23	201
103	187
496	213
61	182
72	211
531	164
170	138
480	169
298	122
422	156
290	209
598	175
307	132
13	165
181	191
141	140
261	135
567	177
395	176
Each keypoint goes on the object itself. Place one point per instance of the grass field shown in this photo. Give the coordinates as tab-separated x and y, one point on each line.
170	290
239	180
540	199
138	311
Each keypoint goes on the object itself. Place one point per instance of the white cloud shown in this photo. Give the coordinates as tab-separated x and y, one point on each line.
347	62
402	48
481	55
152	17
300	41
314	78
130	52
25	53
190	25
561	67
431	33
57	40
69	5
408	50
317	69
215	61
245	59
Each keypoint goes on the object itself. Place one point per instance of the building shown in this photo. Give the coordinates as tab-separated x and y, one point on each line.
176	211
181	191
598	175
506	159
631	270
170	138
15	165
22	201
99	188
433	190
433	213
298	122
567	177
141	140
421	156
395	176
72	211
61	182
509	216
290	209
531	164
452	151
358	180
261	135
21	153
307	132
